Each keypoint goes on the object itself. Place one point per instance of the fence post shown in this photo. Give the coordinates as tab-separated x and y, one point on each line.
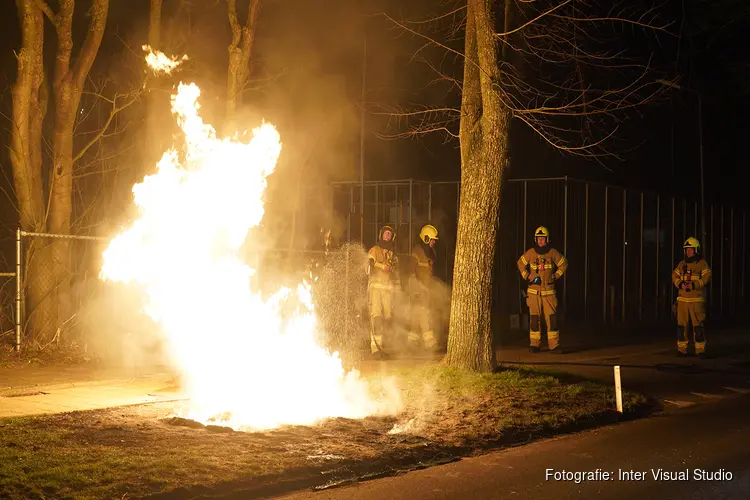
347	289
18	289
565	248
684	220
429	202
525	202
744	276
695	221
721	268
349	215
671	255
411	214
731	260
640	269
586	257
711	261
377	211
624	248
658	248
606	237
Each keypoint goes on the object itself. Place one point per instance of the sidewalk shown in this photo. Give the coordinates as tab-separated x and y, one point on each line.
648	364
35	390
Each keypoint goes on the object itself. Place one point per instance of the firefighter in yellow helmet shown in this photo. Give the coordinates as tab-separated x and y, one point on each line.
420	284
383	278
691	276
542	265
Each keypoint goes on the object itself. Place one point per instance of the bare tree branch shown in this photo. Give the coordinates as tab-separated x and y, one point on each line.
550	11
44	6
115	110
552	37
91	44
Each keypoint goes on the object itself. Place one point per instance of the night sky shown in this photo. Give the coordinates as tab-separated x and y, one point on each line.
318	51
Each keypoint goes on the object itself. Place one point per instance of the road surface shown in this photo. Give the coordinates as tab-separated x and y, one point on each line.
711	437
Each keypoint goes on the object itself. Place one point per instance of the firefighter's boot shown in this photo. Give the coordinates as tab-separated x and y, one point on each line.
700	341
376	338
682	341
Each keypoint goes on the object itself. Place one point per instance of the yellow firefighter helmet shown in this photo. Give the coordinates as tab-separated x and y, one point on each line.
428	232
384	229
692	243
541	231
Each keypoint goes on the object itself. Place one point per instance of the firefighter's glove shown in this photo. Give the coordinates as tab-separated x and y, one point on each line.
687	287
536	281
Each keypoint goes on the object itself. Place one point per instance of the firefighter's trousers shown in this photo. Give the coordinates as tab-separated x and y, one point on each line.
542	303
381	303
420	316
691	312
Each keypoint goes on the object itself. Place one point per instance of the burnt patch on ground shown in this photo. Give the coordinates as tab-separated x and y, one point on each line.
145	451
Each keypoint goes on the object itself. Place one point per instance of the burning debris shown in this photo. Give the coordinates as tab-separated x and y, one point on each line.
244	364
159	62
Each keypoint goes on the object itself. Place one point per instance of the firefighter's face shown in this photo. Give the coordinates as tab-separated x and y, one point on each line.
432	243
387	235
690	252
541	241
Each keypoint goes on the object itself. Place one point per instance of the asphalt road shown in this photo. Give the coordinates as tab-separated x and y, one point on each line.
710	437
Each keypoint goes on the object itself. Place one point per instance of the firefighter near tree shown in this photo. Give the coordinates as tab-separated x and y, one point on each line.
420	289
383	279
541	266
690	277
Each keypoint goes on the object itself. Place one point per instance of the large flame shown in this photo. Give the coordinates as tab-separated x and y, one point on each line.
243	364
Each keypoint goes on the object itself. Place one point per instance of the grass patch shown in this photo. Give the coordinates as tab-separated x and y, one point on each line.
137	451
69	353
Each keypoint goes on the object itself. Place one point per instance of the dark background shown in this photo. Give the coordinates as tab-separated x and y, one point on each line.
314	53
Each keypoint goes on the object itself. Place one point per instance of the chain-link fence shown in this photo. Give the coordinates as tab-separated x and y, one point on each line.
109	319
56	283
621	244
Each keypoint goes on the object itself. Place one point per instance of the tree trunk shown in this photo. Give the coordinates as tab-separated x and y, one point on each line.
25	147
30	98
483	135
240	52
68	87
154	25
61	196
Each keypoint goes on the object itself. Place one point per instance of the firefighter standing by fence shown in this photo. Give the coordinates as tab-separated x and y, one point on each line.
541	266
384	276
420	288
691	276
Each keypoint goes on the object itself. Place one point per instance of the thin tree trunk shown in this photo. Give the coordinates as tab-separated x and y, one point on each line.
484	158
240	53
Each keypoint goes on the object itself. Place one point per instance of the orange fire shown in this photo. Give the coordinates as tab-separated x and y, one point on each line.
243	364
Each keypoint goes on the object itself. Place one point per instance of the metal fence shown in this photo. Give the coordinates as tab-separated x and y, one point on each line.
339	273
621	244
82	272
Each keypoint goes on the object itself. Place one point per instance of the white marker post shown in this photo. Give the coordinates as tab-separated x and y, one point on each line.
618	388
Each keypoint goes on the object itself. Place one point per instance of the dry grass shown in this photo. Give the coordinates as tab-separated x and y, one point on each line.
139	451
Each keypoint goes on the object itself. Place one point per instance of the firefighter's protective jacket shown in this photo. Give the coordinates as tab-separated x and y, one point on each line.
384	272
423	261
544	262
695	271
